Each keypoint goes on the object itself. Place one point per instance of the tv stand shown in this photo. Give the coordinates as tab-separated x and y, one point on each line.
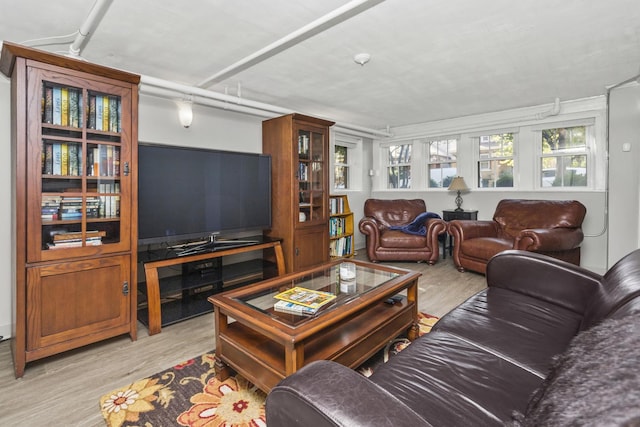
191	282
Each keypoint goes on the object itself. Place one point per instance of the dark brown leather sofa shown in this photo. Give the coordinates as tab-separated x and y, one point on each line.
550	227
486	358
387	242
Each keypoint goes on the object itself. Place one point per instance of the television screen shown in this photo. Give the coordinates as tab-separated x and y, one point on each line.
192	193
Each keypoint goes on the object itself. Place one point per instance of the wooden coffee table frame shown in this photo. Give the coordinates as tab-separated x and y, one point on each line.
264	350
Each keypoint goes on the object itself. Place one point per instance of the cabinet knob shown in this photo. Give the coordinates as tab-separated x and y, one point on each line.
125	288
126	168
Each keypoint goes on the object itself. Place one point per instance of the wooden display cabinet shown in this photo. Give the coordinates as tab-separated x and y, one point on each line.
74	152
299	148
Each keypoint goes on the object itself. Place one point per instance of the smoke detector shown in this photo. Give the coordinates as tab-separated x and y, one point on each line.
361	58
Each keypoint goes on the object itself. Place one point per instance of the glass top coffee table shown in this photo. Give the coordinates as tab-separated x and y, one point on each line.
265	345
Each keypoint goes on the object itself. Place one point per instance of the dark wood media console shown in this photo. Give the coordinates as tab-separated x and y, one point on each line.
167	300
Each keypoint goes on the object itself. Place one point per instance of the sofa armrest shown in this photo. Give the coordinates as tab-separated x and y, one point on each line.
549	239
325	393
545	278
370	226
470	229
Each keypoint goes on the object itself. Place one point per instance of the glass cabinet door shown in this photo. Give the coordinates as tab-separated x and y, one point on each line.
80	168
311	171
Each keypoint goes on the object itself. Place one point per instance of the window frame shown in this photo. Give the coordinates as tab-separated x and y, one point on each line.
427	153
589	149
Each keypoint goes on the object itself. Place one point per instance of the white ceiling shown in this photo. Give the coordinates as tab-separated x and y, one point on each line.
430	59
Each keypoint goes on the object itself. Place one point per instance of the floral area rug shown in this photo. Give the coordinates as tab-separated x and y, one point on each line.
189	394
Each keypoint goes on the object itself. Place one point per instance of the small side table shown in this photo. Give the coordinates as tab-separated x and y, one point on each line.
450	215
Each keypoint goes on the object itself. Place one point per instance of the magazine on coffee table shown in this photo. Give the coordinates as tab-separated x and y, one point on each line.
306	297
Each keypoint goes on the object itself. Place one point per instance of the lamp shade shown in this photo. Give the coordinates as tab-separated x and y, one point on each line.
458	184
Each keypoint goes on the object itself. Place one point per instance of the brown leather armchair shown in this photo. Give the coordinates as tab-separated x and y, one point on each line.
386	241
551	227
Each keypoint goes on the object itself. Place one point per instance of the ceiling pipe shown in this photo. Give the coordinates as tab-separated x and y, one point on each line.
321	24
87	27
555	110
171	90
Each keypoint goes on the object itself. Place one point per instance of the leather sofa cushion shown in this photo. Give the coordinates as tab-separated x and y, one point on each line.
394	212
485	247
401	240
522	329
517	215
449	381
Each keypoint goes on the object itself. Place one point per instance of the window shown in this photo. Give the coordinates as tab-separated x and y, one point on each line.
399	166
341	167
564	157
442	163
495	165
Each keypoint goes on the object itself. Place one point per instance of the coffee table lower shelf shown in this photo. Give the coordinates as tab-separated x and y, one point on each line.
264	361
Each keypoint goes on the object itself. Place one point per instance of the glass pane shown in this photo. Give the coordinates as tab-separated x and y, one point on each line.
303	144
564	171
317	181
499	145
495	173
317	147
341	177
340	156
441	174
399	154
399	177
564	140
103	160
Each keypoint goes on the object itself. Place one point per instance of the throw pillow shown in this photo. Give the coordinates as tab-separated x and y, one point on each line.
596	382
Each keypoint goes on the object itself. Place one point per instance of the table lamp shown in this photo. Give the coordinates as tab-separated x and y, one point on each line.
458	184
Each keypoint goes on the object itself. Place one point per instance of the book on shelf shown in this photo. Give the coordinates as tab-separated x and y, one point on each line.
74	235
306	297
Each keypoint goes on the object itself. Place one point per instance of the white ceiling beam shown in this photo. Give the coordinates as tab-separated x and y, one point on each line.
321	24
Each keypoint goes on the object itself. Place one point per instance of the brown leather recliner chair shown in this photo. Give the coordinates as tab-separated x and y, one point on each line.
551	227
383	223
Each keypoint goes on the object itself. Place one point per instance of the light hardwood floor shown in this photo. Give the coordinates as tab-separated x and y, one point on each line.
64	390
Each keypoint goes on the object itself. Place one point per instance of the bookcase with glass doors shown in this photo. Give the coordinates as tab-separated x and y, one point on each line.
299	149
74	151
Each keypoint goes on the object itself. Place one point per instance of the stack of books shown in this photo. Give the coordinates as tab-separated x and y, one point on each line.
302	301
74	239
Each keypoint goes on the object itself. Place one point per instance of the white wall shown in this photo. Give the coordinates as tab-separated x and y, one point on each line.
624	177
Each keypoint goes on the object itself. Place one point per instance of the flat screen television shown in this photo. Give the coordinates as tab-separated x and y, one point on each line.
188	194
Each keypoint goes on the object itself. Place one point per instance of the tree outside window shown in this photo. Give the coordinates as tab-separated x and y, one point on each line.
442	163
399	166
564	157
495	167
341	167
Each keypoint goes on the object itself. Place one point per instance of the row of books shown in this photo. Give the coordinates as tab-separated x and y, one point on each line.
71	208
103	160
336	205
65	159
337	226
74	239
303	172
104	113
302	301
341	247
64	106
61	158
